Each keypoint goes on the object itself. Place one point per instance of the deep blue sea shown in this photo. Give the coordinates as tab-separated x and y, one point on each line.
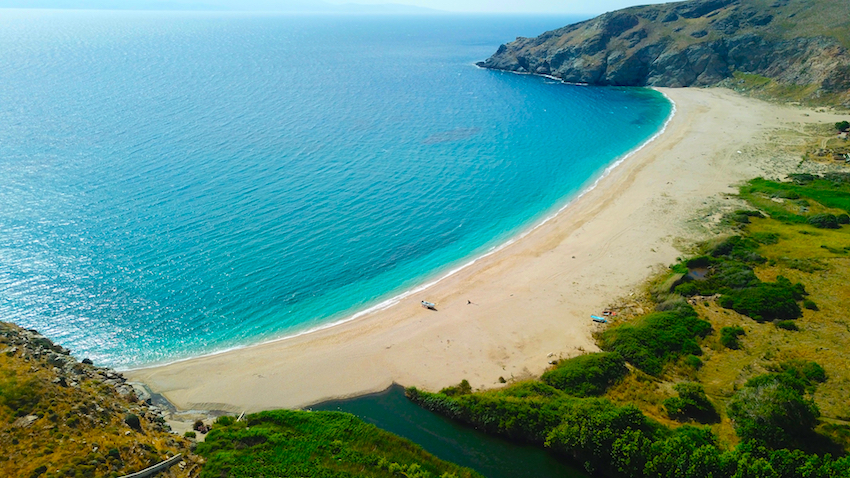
174	184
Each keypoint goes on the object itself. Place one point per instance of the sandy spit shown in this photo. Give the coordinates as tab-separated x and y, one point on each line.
529	300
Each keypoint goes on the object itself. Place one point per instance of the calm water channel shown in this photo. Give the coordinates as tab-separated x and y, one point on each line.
491	456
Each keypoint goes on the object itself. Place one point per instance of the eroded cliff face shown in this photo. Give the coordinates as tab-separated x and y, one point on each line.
695	43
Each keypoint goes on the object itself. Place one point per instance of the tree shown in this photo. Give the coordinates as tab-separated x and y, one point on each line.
772	412
842	126
691	403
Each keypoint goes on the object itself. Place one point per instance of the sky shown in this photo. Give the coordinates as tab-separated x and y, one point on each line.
577	7
515	6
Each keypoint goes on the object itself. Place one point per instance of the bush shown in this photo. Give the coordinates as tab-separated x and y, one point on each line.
657	338
38	471
805	371
772	413
132	420
810	304
765	301
688	289
737	247
787	325
843	219
766	238
842	126
224	421
729	337
20	397
587	375
190	434
699	262
693	361
463	388
692	403
824	221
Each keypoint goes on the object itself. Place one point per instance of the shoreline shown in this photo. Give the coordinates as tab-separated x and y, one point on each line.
505	312
446	273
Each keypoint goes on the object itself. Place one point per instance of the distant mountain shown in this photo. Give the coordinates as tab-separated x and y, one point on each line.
293	6
800	45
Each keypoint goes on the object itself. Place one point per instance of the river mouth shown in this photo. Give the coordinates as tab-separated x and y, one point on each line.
493	457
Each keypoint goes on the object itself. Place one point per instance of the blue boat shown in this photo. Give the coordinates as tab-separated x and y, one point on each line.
601	320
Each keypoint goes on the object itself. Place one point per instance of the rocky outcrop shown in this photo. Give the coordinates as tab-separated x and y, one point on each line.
695	43
64	417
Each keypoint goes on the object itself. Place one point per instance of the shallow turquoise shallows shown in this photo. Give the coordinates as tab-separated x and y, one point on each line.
174	184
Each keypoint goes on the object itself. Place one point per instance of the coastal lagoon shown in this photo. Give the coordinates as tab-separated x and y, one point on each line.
177	184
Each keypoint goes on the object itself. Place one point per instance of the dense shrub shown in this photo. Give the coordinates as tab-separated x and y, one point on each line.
766	300
732	275
688	289
787	325
132	420
810	304
766	238
619	441
739	248
586	375
657	338
693	361
804	374
223	421
692	403
21	397
315	444
843	219
729	337
463	388
698	262
842	126
824	221
772	412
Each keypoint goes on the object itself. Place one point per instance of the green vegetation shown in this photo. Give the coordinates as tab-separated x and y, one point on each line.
463	388
772	410
729	337
61	418
692	403
842	126
586	375
620	441
768	410
657	338
787	325
297	443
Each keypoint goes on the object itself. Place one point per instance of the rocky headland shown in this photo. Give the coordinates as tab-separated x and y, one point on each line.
64	417
799	47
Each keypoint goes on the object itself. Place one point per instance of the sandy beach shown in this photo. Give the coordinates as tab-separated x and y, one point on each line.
531	299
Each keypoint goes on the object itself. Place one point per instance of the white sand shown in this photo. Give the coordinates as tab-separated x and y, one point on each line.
530	299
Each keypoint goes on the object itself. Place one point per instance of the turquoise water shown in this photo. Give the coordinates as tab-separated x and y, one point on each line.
173	184
492	456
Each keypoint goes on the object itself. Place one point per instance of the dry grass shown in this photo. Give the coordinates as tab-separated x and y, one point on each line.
823	336
79	431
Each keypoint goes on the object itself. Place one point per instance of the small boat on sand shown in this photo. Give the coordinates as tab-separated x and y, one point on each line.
429	305
601	320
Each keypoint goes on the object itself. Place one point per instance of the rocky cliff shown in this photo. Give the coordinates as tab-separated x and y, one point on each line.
61	417
801	45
